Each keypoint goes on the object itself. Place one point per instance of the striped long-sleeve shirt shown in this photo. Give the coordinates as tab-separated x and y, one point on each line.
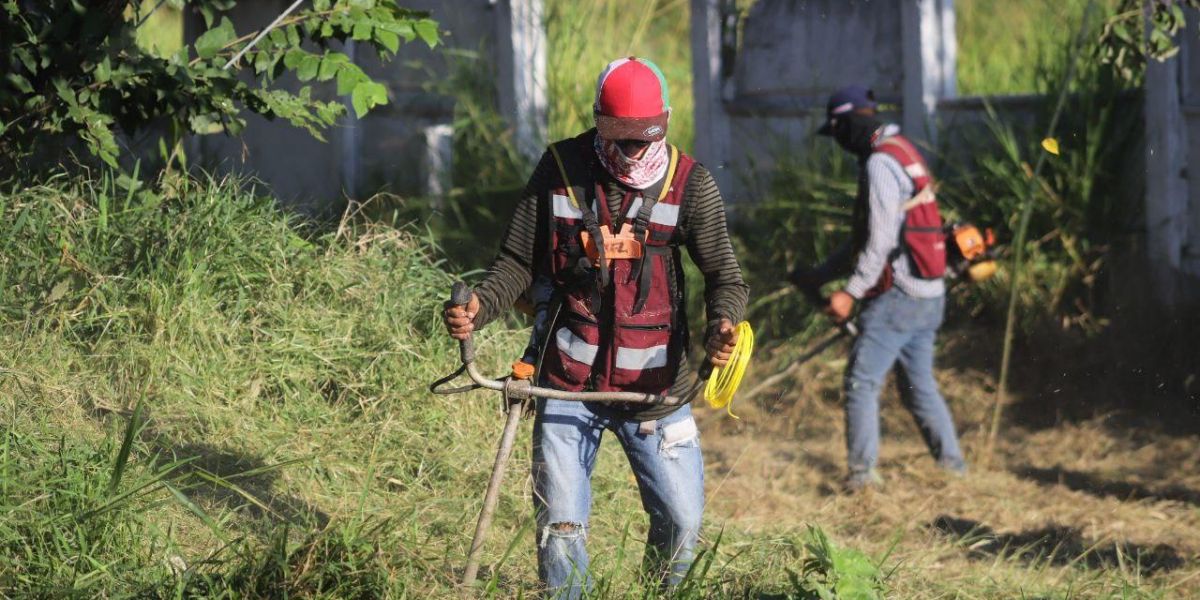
701	227
889	188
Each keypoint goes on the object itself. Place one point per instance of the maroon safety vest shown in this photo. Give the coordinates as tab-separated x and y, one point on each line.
621	326
923	236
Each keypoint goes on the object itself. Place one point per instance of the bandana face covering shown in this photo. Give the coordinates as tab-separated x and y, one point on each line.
637	173
857	133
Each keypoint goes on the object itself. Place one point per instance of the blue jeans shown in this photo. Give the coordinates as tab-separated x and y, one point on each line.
895	328
665	457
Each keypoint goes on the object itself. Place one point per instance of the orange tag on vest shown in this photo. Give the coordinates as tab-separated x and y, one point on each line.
622	246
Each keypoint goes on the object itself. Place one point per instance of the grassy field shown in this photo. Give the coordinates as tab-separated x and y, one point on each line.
203	397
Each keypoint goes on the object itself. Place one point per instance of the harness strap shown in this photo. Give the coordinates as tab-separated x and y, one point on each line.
590	222
643	276
562	169
641	224
925	196
907	150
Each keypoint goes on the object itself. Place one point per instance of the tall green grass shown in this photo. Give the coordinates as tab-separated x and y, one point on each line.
253	342
1085	210
205	397
1000	43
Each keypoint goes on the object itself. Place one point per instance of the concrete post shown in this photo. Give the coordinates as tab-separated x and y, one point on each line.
930	56
521	48
439	150
1167	188
709	80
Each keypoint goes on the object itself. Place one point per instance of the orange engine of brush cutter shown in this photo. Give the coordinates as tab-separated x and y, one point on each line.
971	243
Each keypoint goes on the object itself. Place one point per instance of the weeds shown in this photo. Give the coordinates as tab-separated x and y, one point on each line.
286	444
833	572
190	308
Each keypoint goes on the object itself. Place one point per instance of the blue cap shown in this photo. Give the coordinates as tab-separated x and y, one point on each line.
845	100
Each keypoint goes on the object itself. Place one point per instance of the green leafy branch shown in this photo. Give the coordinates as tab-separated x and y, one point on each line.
1140	31
74	71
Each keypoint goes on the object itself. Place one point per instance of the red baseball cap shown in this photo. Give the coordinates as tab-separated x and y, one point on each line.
631	101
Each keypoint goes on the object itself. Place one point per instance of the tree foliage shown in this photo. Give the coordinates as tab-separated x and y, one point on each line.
71	69
1140	31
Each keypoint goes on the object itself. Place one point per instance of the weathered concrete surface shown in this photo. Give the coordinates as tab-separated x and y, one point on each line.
795	52
710	60
769	96
1172	117
389	150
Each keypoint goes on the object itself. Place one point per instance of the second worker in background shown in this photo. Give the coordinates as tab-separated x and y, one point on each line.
897	278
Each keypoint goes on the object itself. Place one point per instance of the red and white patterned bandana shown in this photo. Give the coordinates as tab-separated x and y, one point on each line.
639	173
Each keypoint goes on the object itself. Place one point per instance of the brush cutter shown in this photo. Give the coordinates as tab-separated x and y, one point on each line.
970	256
719	384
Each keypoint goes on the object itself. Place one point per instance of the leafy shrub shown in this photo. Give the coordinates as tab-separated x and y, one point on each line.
75	71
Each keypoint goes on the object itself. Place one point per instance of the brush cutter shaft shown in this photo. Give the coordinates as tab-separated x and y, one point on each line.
517	390
493	492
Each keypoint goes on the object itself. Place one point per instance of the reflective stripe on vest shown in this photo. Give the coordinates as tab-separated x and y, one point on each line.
574	347
666	215
638	359
634	207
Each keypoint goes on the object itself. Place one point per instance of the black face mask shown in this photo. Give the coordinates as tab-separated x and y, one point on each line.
855	131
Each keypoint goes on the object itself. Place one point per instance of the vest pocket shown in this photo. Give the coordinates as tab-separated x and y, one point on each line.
572	352
642	358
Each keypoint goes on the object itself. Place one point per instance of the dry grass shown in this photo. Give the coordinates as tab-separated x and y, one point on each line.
1087	508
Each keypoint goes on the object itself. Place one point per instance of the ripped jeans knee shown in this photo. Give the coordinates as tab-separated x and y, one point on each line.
677	436
566	531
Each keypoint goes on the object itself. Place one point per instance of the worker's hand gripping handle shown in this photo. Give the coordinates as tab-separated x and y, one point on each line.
460	295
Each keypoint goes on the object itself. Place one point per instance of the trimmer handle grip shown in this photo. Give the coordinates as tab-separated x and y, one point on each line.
706	369
460	295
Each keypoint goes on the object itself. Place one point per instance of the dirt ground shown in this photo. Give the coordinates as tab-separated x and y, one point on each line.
1096	497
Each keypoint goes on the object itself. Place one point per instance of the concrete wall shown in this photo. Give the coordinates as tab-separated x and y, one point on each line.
1172	153
405	146
766	93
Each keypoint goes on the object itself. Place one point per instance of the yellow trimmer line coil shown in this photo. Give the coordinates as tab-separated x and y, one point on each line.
724	381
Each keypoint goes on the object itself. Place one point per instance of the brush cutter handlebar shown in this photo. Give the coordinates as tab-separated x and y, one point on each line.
460	295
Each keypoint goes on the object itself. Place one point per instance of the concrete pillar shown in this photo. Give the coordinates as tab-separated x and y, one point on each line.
1167	162
930	57
439	150
764	97
710	83
521	48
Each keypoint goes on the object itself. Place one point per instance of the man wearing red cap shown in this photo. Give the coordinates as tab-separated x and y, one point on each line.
620	323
